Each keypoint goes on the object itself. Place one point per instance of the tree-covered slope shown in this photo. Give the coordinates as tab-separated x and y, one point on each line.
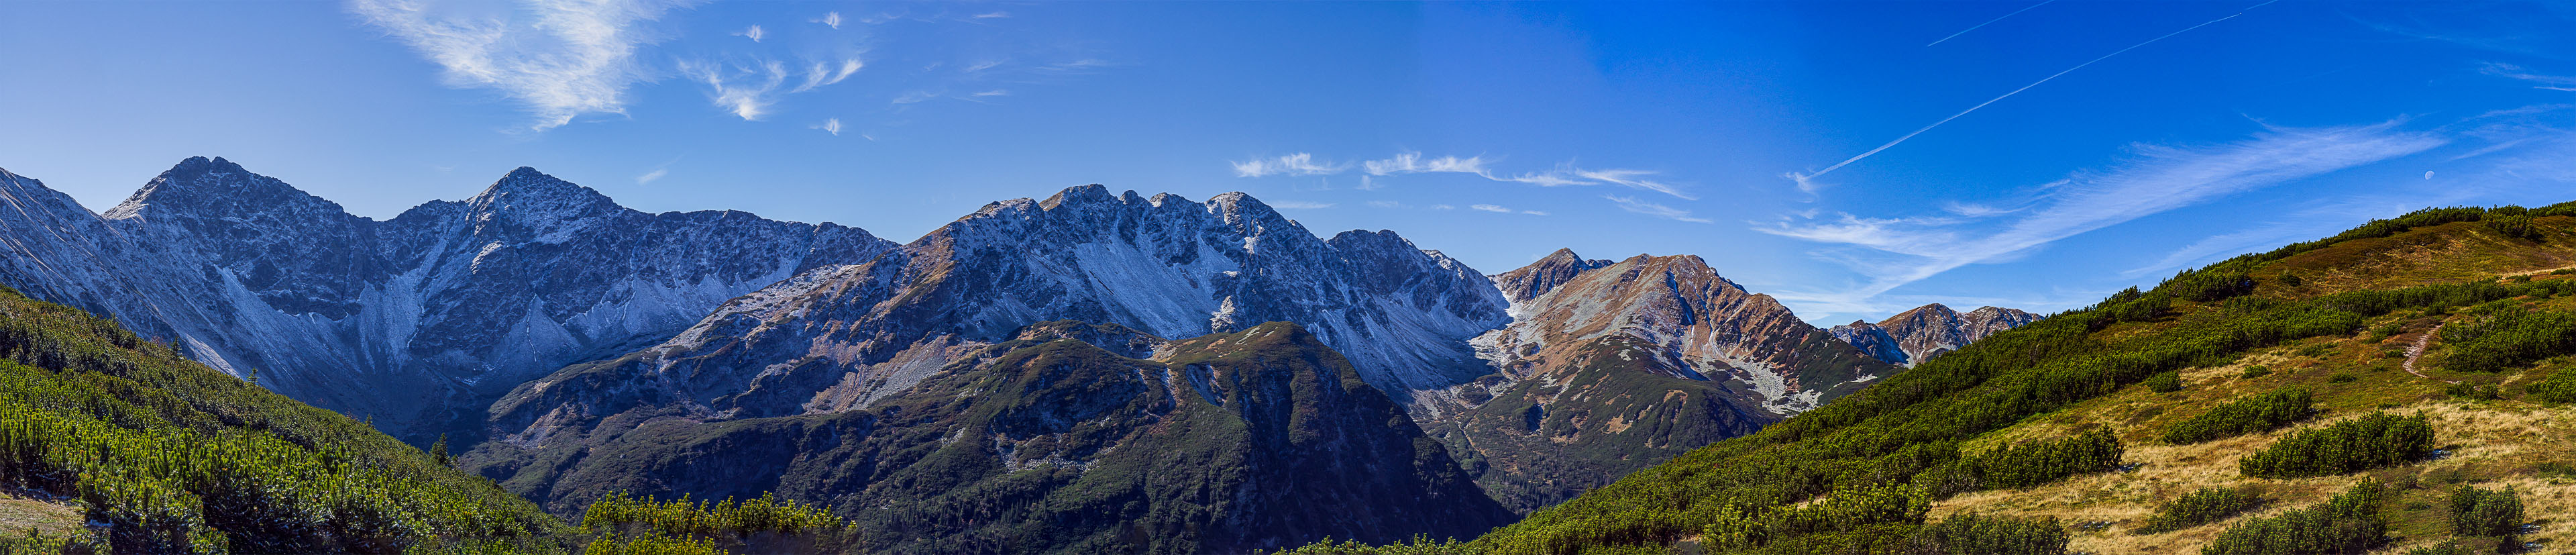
2054	436
158	454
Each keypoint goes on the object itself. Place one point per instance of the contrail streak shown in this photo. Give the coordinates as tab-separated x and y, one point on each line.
1992	21
1839	165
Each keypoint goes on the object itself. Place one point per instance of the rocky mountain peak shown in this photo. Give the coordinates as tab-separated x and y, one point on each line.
217	188
1544	275
1910	337
529	202
1240	209
1081	195
526	184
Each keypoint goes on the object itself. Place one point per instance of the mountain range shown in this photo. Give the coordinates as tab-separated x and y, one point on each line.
1913	336
1033	351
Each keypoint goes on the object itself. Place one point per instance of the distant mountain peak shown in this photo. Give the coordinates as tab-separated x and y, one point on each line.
543	206
1542	276
1081	195
1913	336
215	187
528	182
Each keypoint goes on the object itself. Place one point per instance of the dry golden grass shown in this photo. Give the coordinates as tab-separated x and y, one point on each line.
18	515
2497	444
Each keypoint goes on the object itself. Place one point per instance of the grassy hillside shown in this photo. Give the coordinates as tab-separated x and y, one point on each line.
2058	436
162	455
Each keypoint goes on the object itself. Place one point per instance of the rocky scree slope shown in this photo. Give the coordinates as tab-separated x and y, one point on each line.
1610	367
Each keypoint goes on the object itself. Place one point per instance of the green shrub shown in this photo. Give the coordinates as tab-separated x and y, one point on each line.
2341	377
2484	513
1419	545
2317	350
2508	337
2384	332
2260	413
2348	523
2516	226
2199	507
2205	286
1973	534
2165	382
2255	371
2559	388
2373	441
175	457
1849	508
2040	462
649	544
2465	390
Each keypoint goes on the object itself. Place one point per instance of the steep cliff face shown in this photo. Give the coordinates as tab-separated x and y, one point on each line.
1623	364
1913	336
411	319
1049	442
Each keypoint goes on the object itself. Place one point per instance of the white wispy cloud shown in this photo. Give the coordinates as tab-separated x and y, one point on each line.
991	93
1402	163
744	91
832	19
750	90
1300	205
1806	180
992	15
1413	162
914	97
648	177
821	74
2158	179
830	125
560	58
1293	164
1075	67
752	33
1490	208
1631	204
1989	22
1443	207
1385	204
2510	71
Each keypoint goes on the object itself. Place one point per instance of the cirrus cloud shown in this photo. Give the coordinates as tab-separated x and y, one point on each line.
559	58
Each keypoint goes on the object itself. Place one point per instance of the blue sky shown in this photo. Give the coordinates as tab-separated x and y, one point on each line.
1854	159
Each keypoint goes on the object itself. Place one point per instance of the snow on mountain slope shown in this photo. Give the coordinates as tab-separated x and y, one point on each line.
408	319
840	337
